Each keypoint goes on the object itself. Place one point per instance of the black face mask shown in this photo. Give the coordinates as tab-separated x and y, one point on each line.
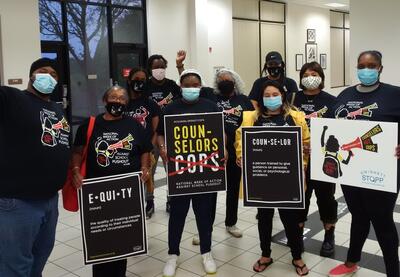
226	87
138	86
115	109
275	71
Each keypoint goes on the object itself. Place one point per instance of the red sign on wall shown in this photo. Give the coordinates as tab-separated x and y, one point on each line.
125	71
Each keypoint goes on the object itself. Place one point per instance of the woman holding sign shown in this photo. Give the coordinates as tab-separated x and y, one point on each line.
275	111
374	101
203	204
118	145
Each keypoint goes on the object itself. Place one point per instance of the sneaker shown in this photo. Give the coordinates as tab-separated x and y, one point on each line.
149	209
167	207
343	270
196	240
234	231
210	267
328	245
170	266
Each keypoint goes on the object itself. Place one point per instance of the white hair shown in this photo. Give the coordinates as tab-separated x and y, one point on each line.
239	84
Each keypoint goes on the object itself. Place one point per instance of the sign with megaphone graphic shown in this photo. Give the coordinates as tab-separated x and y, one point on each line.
355	153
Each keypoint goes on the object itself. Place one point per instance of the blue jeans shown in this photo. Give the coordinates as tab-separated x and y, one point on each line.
27	235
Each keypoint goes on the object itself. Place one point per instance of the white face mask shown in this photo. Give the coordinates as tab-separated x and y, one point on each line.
158	74
311	82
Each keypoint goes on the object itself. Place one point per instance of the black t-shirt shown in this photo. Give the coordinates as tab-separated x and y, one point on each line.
274	120
143	110
382	104
34	145
315	106
208	93
115	146
163	94
256	95
180	107
233	115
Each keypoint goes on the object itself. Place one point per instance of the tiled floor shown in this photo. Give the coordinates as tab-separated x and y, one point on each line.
234	257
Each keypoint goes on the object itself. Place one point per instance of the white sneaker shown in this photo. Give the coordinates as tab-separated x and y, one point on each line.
170	266
234	231
210	267
196	240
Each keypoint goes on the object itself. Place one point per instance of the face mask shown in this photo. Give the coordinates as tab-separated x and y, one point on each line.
368	76
272	103
311	82
190	94
138	86
115	109
226	87
275	71
44	83
158	74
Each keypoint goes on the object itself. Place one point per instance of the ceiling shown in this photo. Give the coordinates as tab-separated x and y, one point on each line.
321	3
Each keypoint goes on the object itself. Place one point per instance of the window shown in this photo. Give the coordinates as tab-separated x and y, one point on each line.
51	28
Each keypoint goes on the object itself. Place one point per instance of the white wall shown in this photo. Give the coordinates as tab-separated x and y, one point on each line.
20	39
375	26
192	25
299	18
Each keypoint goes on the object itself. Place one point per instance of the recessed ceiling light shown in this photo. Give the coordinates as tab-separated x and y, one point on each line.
335	5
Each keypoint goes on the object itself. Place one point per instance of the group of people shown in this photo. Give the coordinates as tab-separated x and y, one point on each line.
129	136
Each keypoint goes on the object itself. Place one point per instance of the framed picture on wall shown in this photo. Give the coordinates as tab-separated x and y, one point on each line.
299	61
311	52
322	60
311	35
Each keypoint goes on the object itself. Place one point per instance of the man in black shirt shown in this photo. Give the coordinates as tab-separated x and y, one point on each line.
35	151
275	68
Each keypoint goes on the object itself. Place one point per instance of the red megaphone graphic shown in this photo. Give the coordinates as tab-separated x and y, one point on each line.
357	143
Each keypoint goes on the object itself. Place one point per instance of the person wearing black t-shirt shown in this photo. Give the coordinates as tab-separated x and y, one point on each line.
160	89
231	99
202	204
34	156
375	101
276	111
274	67
118	145
316	103
147	113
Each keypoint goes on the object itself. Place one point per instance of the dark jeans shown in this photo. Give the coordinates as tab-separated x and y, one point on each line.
376	207
203	207
290	219
114	269
325	193
233	174
27	234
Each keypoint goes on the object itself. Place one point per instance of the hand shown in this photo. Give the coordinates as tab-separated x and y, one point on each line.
351	153
325	128
306	149
145	174
180	57
77	179
226	157
239	161
398	152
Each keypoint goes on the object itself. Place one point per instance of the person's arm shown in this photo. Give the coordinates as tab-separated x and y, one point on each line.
77	153
180	58
254	94
346	161
323	136
154	124
162	149
145	166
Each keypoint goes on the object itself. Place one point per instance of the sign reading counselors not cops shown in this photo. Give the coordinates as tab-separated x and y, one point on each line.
196	153
272	167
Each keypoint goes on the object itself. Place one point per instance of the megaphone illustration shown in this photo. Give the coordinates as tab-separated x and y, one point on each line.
365	141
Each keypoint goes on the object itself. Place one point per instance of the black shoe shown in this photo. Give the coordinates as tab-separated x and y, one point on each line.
149	209
328	245
167	207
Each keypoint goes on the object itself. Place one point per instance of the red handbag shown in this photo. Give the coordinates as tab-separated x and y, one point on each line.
69	192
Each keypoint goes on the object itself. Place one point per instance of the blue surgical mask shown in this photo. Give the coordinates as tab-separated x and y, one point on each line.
272	103
368	76
44	83
190	94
